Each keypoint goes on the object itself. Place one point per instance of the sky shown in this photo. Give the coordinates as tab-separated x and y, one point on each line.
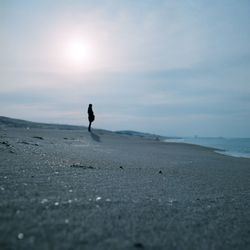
170	67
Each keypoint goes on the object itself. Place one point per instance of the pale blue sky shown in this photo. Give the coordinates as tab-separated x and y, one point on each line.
168	67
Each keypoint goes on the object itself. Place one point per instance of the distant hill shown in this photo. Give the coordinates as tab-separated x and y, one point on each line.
139	134
18	123
145	135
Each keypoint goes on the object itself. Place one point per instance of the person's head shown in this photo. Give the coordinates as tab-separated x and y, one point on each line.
90	105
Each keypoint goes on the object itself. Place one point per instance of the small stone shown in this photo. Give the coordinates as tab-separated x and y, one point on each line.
20	236
66	221
160	172
138	245
121	167
172	201
56	203
70	190
98	198
44	201
38	137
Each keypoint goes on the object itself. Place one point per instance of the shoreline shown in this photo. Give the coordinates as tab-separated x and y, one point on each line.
221	149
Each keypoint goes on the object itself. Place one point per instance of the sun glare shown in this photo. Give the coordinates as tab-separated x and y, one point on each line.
79	53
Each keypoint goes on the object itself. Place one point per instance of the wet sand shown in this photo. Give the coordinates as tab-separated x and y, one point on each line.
69	189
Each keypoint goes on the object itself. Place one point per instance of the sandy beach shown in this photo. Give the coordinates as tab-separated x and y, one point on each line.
65	188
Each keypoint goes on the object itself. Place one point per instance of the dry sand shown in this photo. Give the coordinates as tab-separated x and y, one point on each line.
69	189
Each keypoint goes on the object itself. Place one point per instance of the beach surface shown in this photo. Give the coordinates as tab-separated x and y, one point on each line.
62	187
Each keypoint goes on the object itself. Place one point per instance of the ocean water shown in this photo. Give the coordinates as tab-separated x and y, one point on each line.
238	147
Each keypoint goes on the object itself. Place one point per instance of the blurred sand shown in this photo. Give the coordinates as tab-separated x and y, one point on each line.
69	189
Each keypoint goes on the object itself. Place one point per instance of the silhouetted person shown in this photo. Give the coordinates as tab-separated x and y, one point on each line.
91	116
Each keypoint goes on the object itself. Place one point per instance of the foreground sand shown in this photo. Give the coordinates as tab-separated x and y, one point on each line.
68	189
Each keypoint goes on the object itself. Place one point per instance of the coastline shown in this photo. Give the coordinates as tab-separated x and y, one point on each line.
221	145
70	189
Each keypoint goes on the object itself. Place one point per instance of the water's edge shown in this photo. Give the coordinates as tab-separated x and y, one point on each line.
236	147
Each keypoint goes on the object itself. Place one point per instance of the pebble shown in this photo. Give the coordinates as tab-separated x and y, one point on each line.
20	236
138	245
44	201
172	201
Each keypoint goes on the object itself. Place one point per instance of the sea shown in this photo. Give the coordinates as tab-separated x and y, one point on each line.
238	147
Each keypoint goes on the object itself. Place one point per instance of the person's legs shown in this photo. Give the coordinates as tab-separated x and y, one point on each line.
89	126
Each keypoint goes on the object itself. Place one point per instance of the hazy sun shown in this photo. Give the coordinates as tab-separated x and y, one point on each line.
79	53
